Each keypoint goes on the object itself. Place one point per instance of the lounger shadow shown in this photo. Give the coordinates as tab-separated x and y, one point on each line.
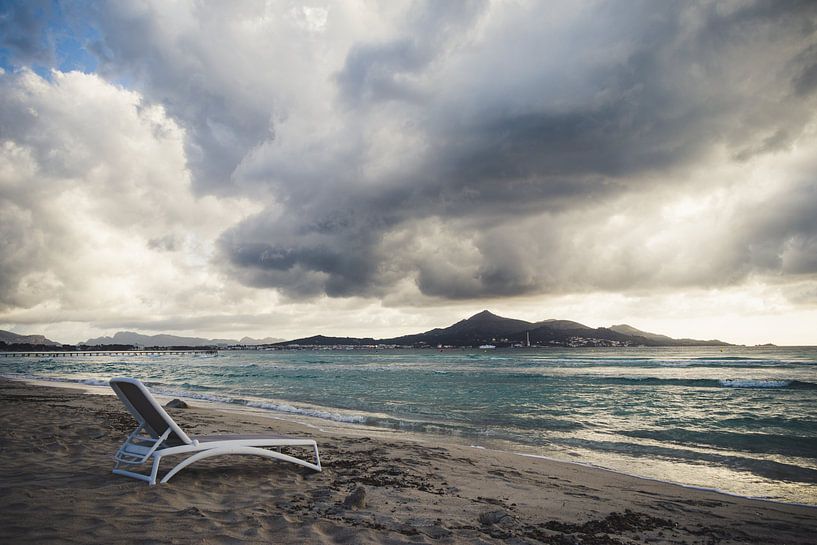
157	435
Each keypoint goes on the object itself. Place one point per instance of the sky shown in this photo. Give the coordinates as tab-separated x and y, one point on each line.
365	168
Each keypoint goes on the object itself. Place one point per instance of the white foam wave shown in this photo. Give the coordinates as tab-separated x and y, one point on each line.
91	382
747	383
169	392
86	381
317	413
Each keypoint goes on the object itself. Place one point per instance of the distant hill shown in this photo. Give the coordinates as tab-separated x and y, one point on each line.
630	330
478	329
249	341
163	340
562	325
488	328
13	338
481	328
321	340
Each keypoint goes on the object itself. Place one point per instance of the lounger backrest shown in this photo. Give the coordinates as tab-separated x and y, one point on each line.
144	408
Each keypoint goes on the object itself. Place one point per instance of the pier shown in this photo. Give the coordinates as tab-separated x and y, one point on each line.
71	353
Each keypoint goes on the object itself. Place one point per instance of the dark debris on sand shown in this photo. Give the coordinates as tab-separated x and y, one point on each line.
375	467
346	499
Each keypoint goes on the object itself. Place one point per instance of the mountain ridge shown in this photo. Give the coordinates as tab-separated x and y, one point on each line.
166	340
13	338
488	328
482	328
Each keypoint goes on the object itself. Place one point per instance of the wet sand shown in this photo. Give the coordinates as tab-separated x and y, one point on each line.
56	487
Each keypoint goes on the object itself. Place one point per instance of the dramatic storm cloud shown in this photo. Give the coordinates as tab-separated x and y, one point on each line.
220	166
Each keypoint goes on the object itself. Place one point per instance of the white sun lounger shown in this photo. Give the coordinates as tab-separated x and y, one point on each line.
157	436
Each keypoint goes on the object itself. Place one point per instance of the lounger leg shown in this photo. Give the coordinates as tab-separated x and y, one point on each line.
154	470
317	457
151	479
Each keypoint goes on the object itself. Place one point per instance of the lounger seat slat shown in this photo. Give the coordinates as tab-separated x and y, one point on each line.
130	448
210	438
157	435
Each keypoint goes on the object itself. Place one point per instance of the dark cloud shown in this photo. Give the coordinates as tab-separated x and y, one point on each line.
372	72
780	236
685	83
805	70
676	93
23	30
310	255
376	72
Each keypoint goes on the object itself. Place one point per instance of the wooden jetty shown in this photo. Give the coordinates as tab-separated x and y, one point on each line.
71	353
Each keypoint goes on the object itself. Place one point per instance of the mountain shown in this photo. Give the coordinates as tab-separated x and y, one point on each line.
249	341
630	330
13	338
322	340
488	328
478	329
562	325
137	339
481	328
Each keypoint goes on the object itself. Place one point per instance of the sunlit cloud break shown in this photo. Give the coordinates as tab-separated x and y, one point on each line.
278	169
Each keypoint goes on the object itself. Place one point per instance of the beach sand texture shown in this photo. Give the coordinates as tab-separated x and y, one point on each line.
56	486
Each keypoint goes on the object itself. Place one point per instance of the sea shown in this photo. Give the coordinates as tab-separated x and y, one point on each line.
742	420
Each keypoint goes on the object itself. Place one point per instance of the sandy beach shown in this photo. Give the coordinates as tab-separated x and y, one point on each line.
56	487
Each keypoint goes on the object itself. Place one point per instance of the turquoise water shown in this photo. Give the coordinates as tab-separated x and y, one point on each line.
743	420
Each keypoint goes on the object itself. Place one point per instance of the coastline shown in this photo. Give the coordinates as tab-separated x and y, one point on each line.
58	444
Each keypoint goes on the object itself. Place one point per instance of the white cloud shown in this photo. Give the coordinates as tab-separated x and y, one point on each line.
89	175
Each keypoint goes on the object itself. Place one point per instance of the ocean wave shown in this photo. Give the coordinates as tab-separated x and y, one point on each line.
316	413
169	391
742	383
724	440
727	358
708	383
158	388
45	378
764	468
91	382
255	404
703	362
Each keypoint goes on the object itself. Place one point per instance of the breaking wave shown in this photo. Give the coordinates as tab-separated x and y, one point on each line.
711	383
